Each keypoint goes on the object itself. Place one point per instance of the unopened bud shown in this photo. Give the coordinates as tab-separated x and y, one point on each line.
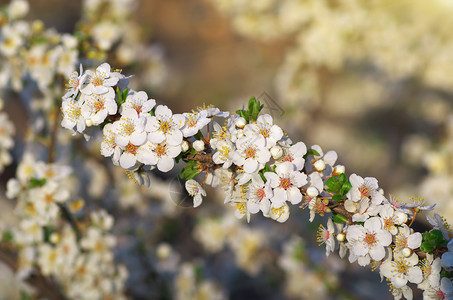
37	26
184	146
341	237
198	145
312	192
240	122
240	133
339	169
406	252
276	152
54	238
163	251
319	165
89	122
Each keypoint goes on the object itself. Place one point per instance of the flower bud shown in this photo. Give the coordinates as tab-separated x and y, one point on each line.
312	192
198	145
184	146
240	122
406	252
341	237
319	165
163	251
339	169
276	152
37	26
54	238
89	122
240	133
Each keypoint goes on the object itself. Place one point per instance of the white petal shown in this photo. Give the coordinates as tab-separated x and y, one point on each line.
127	160
414	240
138	138
294	195
377	253
250	165
415	275
165	164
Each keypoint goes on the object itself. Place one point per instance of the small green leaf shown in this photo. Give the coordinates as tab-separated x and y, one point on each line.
121	99
190	171
7	237
312	152
337	218
35	182
124	94
337	198
334	185
428	246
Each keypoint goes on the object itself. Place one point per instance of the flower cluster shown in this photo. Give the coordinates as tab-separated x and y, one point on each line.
260	169
6	138
53	236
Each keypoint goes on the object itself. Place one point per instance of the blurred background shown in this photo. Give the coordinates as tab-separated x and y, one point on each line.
372	80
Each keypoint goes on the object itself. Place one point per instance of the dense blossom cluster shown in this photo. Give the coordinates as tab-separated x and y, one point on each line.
6	138
75	251
260	169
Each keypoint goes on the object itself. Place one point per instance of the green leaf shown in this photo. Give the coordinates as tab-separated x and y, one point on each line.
337	218
334	185
152	112
190	171
35	182
243	114
7	237
312	152
124	94
119	95
428	246
337	198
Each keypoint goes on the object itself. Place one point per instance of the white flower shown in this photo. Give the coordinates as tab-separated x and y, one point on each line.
444	291
431	272
165	127
10	40
75	83
447	257
406	238
72	115
130	129
259	196
286	183
96	107
295	154
195	121
222	155
280	214
327	236
265	127
18	9
108	144
101	80
196	191
439	223
369	239
162	155
390	218
139	102
250	153
400	270
364	188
